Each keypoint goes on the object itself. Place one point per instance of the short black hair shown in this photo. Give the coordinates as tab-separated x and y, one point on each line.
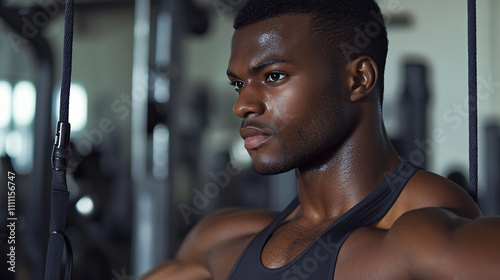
343	29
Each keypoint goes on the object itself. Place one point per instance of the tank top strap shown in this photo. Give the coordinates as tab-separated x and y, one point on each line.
253	248
370	210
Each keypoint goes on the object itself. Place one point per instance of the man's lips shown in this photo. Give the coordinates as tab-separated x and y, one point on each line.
254	137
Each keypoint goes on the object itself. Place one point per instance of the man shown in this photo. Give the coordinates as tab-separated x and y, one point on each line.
310	99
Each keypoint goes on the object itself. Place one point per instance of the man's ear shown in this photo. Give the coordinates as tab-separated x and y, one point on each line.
362	77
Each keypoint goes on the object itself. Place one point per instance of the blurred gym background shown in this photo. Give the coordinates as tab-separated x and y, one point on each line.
156	145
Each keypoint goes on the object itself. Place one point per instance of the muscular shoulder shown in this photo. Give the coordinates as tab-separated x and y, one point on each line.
220	227
436	243
426	189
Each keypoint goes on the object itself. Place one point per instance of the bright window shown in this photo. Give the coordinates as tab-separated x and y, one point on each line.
23	103
5	104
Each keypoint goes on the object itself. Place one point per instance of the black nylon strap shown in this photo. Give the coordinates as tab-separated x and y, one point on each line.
67	61
472	38
57	239
61	154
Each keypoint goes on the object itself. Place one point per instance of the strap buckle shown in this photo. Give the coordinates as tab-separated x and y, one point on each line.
61	153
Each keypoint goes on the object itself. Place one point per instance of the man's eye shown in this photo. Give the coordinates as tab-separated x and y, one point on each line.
275	77
237	85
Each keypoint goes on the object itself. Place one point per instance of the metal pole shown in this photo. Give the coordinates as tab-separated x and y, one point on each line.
142	230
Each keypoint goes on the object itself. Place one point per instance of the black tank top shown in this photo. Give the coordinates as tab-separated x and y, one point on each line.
318	260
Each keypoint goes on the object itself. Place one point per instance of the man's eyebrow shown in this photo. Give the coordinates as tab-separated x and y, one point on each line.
258	68
231	74
265	64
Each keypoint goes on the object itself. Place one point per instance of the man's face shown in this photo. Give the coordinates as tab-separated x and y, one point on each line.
290	101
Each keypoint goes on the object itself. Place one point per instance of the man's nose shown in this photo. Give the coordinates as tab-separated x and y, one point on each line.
249	102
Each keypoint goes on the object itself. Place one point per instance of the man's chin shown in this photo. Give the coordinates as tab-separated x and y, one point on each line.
269	168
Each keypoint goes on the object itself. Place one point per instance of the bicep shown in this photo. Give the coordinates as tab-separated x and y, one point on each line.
475	248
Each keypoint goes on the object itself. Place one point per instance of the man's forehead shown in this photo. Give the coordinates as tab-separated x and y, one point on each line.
272	36
282	25
268	36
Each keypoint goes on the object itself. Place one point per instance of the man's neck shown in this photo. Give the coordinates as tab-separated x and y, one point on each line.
356	168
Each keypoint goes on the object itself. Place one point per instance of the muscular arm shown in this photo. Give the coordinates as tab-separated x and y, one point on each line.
437	244
191	261
178	270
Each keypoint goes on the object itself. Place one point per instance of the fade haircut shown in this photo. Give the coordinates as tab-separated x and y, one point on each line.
341	29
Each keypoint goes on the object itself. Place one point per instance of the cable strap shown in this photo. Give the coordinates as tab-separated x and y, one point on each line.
67	61
61	154
472	38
